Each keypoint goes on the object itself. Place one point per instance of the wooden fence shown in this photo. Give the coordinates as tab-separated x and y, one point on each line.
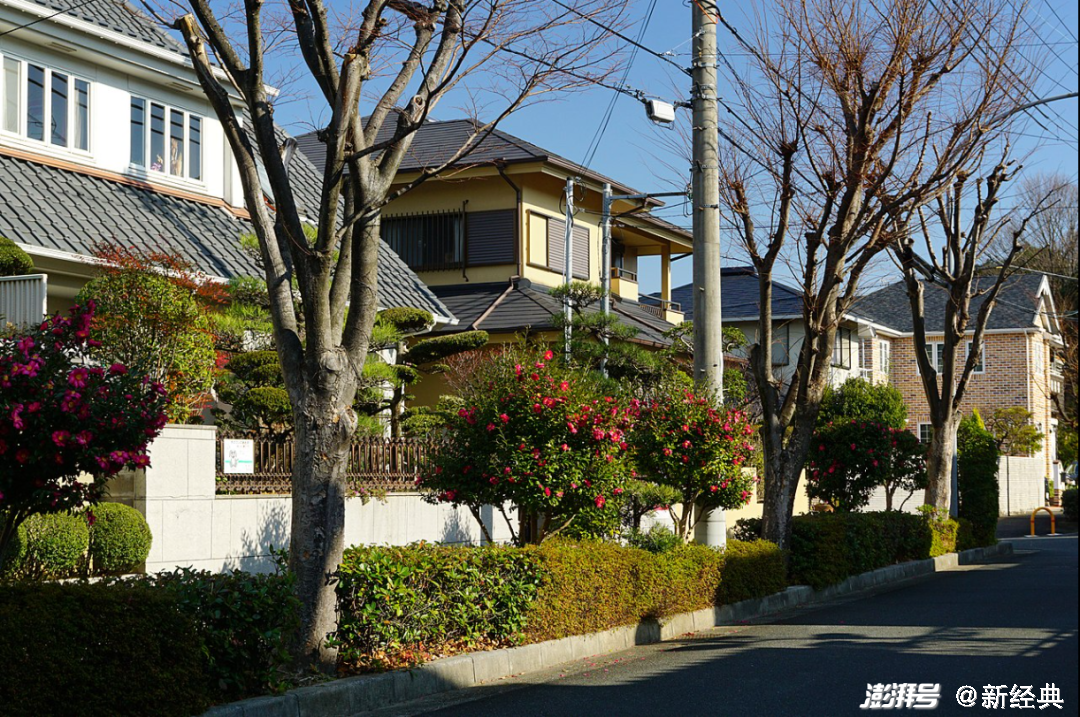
374	463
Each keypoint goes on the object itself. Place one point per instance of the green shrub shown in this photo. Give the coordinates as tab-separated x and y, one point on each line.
977	480
751	570
945	530
13	260
828	548
859	400
119	539
406	319
597	586
438	347
53	545
394	598
97	650
657	539
1068	504
244	622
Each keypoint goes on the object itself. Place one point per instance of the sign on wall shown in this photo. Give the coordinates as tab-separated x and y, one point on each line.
238	455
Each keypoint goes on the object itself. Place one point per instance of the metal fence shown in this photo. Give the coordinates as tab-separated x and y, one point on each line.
374	463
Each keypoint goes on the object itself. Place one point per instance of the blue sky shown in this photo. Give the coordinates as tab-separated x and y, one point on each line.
648	158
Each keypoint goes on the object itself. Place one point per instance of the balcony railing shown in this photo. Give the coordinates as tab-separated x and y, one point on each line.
617	272
374	463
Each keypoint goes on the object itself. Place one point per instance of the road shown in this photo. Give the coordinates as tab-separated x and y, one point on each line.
1012	622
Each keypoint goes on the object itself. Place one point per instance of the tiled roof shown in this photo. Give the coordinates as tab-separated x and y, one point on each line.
72	212
530	306
738	296
436	142
1016	307
118	16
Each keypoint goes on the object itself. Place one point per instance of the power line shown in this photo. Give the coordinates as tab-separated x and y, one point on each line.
45	17
636	43
598	136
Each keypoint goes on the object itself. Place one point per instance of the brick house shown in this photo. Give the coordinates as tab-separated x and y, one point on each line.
875	342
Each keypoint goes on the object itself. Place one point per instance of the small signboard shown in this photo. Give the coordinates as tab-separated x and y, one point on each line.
238	455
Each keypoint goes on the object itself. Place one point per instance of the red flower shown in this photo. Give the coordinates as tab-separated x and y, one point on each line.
504	418
548	355
600	501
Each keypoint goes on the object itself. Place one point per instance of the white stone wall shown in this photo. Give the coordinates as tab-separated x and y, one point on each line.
1021	484
192	526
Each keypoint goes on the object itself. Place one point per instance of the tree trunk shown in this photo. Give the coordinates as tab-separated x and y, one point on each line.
889	491
324	431
781	482
939	465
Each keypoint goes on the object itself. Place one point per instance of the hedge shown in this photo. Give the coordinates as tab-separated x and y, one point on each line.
828	548
977	484
752	569
97	650
1068	504
119	539
397	599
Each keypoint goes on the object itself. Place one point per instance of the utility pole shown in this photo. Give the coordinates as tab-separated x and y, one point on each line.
605	263
568	263
711	527
705	180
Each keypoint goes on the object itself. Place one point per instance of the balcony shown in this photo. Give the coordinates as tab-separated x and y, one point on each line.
624	283
1057	377
669	311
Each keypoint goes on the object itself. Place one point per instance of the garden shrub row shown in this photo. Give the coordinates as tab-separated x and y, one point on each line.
828	548
110	539
419	598
1068	504
169	644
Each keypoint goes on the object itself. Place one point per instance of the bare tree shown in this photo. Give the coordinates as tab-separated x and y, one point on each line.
851	114
381	69
955	269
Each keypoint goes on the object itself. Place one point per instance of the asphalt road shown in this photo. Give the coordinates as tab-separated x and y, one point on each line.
1013	622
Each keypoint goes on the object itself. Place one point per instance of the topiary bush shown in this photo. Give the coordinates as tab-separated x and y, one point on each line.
52	545
98	651
13	260
977	480
395	600
751	570
120	539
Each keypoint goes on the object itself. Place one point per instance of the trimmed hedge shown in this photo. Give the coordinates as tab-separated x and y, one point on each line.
751	570
1068	504
396	598
97	650
119	539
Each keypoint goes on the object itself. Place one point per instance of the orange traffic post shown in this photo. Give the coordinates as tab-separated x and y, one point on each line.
1053	525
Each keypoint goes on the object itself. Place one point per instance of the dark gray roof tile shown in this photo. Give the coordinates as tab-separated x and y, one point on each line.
117	16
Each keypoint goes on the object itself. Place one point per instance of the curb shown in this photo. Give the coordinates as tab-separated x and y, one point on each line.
352	695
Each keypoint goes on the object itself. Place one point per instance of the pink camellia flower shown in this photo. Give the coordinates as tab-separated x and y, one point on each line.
572	427
547	491
490	427
507	471
504	418
548	355
118	368
534	376
573	486
667	451
77	378
60	438
564	447
600	501
564	386
518	370
537	408
617	491
142	461
549	401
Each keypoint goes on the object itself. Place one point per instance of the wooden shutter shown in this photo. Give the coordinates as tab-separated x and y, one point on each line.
491	237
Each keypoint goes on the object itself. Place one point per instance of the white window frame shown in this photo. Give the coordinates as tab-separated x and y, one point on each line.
22	131
981	366
937	355
146	169
930	427
884	356
844	349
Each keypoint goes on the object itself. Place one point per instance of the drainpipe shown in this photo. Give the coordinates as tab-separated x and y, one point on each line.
519	250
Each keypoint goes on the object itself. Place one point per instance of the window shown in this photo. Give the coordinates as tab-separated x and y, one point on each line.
45	105
556	249
427	242
842	349
11	94
168	141
979	367
781	345
884	356
926	432
935	353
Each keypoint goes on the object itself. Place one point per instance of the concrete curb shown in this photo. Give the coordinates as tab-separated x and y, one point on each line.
353	695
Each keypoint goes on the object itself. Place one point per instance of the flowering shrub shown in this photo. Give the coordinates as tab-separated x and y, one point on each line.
60	417
684	441
849	460
537	435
